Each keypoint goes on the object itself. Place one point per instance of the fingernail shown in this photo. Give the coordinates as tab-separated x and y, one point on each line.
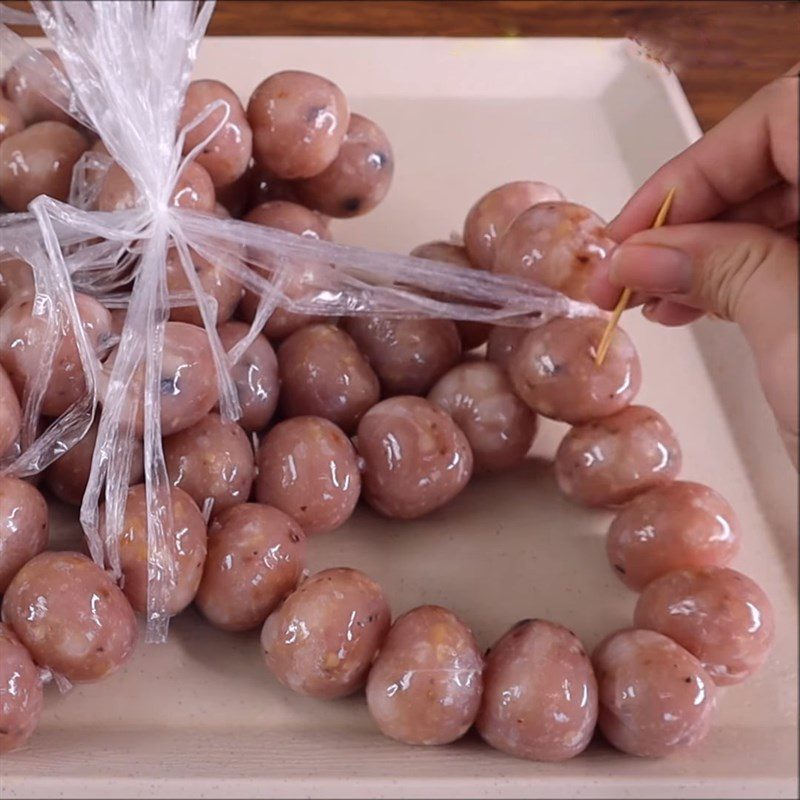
651	268
649	308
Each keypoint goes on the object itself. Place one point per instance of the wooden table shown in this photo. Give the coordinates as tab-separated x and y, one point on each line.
722	51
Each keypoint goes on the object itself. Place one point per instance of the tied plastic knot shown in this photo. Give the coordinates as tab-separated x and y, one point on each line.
158	200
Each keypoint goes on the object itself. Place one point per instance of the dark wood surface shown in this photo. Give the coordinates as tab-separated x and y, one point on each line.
722	51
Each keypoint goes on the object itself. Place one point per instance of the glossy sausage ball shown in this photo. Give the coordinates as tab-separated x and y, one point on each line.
11	120
323	638
21	82
39	160
10	413
21	696
299	122
256	556
359	177
416	459
720	616
555	244
679	525
610	460
193	191
408	355
308	469
16	280
655	697
211	459
540	694
425	685
492	215
68	477
498	425
473	334
23	339
554	371
296	219
188	379
323	374
226	156
186	546
214	281
255	375
24	526
503	343
71	616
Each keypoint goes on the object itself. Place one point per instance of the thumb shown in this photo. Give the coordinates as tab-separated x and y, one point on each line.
745	273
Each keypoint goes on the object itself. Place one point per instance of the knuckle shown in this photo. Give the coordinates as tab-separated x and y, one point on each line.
731	271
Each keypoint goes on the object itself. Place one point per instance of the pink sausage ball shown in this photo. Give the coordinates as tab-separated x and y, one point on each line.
299	122
679	525
256	556
188	384
554	370
21	82
323	639
540	694
425	685
23	339
255	375
226	156
609	461
359	177
71	616
308	469
408	355
39	160
415	458
655	697
556	244
493	213
479	397
185	544
323	374
720	616
212	459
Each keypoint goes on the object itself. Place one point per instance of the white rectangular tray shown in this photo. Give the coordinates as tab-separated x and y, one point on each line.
200	717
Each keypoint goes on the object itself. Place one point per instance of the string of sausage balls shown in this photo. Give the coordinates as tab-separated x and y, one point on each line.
399	412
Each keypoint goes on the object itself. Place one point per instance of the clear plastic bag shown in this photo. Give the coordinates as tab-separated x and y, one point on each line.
128	65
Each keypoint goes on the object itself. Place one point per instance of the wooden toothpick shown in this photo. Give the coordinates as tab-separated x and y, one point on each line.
624	298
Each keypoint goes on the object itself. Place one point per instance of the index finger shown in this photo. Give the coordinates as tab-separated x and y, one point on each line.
752	149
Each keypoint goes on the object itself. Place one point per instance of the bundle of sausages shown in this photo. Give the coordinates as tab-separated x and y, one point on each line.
264	381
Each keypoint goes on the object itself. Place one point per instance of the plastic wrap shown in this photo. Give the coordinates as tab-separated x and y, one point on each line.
127	66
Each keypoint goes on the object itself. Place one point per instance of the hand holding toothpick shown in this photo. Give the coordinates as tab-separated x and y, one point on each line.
624	298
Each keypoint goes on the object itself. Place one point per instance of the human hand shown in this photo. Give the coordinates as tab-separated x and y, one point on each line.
730	247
